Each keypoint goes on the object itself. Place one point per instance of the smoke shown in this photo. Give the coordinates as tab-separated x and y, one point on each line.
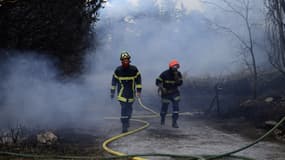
152	31
33	97
156	31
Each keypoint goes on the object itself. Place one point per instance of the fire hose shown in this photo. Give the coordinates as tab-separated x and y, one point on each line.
190	157
119	155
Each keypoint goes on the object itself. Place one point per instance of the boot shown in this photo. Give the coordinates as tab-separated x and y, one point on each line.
162	120
124	128
174	124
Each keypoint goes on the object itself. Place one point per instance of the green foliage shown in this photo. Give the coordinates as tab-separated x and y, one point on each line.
60	28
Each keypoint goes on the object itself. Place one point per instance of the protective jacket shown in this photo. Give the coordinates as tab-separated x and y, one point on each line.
128	81
168	81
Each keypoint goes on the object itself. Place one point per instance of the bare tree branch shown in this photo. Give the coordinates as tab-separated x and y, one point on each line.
242	10
276	34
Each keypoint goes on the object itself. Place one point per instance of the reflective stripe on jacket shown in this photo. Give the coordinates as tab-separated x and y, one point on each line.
170	81
127	81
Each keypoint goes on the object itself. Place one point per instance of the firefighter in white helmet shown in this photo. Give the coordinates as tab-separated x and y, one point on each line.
127	80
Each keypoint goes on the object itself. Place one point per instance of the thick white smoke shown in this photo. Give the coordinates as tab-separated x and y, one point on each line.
33	97
152	31
155	31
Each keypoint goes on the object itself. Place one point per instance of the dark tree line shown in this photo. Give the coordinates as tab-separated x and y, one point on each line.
57	28
276	33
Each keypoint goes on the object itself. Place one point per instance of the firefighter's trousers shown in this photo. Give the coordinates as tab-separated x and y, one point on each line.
126	113
165	101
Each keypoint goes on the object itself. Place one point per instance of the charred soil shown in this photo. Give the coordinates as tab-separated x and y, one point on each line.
71	142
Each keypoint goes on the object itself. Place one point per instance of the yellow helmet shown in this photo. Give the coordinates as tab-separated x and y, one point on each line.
125	55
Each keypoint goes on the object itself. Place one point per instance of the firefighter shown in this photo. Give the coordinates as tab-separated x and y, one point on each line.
127	80
168	83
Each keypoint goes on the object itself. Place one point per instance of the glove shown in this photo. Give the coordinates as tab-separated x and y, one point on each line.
161	91
176	76
138	94
164	90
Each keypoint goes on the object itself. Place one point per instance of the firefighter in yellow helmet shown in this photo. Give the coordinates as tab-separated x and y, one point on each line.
168	83
127	80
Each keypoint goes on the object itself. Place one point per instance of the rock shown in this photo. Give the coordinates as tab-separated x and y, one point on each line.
47	138
271	123
279	134
246	103
268	99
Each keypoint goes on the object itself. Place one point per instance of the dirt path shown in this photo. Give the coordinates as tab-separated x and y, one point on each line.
194	137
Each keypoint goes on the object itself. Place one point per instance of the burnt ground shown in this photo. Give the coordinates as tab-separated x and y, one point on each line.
71	141
243	127
196	135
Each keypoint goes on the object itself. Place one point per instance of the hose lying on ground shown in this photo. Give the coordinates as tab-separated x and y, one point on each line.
199	157
137	156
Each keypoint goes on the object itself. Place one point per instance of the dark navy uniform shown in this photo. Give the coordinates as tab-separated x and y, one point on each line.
168	83
128	82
